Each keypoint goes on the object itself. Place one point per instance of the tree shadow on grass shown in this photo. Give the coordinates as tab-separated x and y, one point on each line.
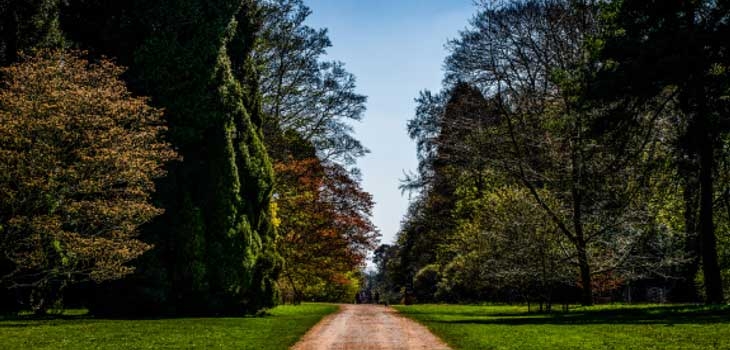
648	315
31	320
485	312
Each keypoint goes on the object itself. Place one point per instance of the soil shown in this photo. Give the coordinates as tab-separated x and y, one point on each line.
368	327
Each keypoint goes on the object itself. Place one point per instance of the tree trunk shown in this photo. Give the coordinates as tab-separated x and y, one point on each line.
580	245
297	295
686	290
703	134
580	239
585	275
708	245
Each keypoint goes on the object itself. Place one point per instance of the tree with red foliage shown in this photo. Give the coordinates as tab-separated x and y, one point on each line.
325	228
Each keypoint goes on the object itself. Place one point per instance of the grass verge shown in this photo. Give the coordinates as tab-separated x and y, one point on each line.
597	327
281	329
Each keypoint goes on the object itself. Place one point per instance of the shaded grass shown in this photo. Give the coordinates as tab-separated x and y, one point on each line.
598	327
280	329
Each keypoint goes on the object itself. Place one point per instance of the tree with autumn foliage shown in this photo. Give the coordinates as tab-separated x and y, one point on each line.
327	231
307	105
78	158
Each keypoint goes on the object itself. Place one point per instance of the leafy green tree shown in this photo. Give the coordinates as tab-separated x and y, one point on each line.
681	46
386	281
507	248
545	141
515	114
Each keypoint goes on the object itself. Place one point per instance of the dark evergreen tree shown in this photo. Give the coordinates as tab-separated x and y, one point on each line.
27	25
225	179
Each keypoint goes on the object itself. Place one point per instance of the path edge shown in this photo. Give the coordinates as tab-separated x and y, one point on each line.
313	330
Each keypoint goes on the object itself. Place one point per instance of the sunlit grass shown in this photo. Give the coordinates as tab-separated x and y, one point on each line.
598	327
279	330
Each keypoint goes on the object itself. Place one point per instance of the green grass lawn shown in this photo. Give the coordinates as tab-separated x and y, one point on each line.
281	329
598	327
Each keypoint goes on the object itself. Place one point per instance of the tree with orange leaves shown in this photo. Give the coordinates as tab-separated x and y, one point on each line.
325	228
78	157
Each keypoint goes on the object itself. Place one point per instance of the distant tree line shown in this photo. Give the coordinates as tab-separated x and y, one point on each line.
577	152
206	197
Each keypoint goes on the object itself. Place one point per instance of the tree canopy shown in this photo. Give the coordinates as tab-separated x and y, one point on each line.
234	87
78	156
573	148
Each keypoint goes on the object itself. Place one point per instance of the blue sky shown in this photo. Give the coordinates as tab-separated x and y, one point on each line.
395	49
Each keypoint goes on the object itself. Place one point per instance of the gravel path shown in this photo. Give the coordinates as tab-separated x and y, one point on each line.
368	327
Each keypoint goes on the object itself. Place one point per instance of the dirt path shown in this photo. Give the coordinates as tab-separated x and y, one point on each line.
368	327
